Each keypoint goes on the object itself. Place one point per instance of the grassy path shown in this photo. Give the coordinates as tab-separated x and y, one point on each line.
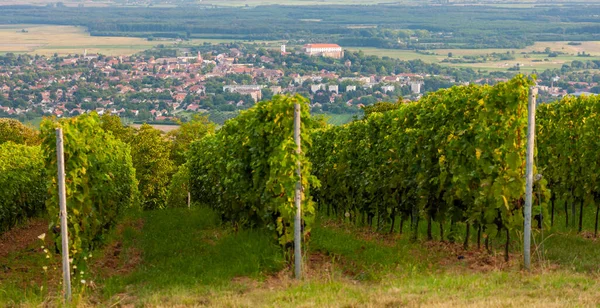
186	258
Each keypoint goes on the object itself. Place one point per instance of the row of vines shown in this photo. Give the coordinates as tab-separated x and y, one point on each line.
246	171
455	156
109	168
21	174
100	181
568	157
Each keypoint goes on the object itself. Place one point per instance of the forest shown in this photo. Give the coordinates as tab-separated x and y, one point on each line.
384	26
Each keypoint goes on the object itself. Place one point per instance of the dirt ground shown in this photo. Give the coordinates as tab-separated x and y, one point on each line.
22	237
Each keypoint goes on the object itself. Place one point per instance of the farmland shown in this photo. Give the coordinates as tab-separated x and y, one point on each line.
49	39
63	40
381	26
528	62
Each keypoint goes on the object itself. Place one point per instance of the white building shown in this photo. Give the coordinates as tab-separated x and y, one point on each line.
388	88
326	50
415	87
276	90
350	88
334	88
317	87
253	90
232	88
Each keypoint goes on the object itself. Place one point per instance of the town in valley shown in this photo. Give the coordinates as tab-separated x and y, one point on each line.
169	84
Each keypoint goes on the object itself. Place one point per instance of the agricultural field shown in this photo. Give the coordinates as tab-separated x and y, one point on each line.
533	62
49	39
64	40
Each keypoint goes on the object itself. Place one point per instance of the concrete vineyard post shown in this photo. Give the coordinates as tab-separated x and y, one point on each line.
62	197
298	198
529	178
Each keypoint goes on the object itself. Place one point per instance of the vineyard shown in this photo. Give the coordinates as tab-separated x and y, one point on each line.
443	177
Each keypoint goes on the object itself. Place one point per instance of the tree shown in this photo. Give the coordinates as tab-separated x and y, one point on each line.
113	124
187	133
151	159
267	94
450	55
381	107
17	132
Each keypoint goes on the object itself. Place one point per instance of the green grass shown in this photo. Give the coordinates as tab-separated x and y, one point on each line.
371	259
441	54
340	119
189	258
367	268
405	55
188	250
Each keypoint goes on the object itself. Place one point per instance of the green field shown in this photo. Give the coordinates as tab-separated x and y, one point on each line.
340	119
527	64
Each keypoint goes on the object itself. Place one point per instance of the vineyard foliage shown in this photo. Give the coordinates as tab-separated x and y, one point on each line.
457	155
179	187
23	183
381	107
114	125
150	152
247	170
567	154
100	179
187	133
17	132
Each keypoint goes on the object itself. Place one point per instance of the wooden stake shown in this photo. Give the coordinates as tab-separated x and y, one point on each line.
298	198
529	179
64	232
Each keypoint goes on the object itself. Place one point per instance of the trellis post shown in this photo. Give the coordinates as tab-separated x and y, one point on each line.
62	198
298	197
529	178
